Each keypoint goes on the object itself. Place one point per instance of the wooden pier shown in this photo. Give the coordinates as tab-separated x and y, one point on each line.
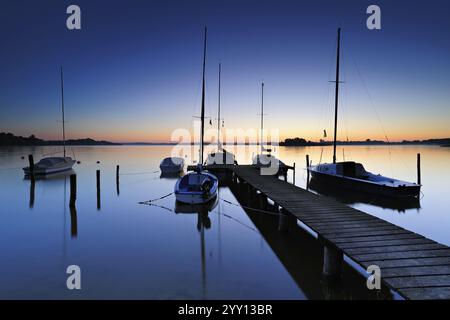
413	266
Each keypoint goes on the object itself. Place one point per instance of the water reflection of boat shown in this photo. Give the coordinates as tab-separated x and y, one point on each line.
170	176
181	207
399	204
203	222
54	176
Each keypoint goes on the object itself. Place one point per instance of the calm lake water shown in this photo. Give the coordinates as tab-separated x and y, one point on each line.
128	250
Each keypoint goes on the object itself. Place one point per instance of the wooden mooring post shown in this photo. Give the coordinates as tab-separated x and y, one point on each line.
293	174
31	164
307	172
32	188
117	179
419	177
98	190
73	190
283	220
73	222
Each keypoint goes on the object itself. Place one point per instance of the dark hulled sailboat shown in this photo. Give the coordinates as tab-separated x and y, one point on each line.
352	175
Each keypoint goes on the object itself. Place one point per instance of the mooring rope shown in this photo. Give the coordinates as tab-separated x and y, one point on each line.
137	173
148	202
249	208
156	205
236	220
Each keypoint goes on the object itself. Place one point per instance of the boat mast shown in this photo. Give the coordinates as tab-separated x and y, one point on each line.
218	112
203	103
336	98
262	116
62	107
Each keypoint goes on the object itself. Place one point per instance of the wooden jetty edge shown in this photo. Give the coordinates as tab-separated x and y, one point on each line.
413	266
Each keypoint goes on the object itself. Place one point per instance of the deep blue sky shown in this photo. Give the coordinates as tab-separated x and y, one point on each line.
133	73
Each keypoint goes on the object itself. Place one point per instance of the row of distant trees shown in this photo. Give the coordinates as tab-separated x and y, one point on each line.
299	142
9	139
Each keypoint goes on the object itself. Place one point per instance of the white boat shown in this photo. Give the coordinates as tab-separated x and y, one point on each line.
265	157
352	175
221	156
200	186
196	187
171	165
50	165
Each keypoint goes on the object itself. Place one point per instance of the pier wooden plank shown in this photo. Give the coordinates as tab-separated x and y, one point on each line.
415	271
403	255
385	243
412	265
402	263
432	293
419	281
399	248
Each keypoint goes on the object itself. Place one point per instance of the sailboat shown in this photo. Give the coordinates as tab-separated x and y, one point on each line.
221	156
265	157
351	174
51	165
200	186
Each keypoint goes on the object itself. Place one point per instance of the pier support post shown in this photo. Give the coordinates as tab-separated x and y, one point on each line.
262	201
98	190
31	164
73	190
419	178
332	261
307	171
283	220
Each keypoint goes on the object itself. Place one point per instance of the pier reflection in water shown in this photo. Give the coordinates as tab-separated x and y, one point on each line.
352	197
301	253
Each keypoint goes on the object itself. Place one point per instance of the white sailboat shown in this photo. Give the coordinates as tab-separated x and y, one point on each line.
352	175
265	157
221	156
200	186
51	165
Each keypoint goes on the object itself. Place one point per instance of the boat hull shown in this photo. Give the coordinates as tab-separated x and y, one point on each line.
171	165
41	171
171	169
336	181
196	196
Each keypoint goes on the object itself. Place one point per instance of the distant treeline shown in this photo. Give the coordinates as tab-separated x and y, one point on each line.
300	142
8	139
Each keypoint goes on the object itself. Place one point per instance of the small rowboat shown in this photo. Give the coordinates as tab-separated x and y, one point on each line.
196	187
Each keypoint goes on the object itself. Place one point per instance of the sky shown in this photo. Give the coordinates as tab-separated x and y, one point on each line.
133	71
